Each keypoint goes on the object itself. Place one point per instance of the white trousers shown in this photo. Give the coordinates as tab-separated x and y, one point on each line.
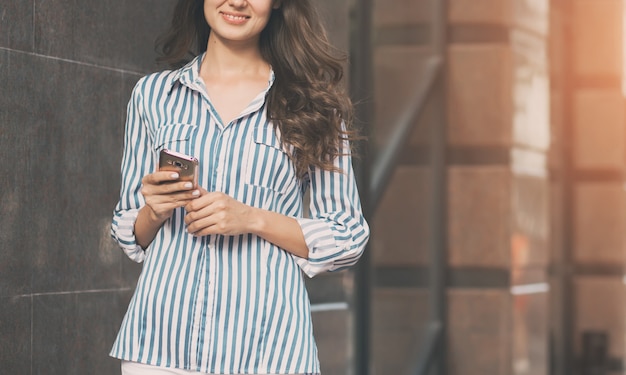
134	368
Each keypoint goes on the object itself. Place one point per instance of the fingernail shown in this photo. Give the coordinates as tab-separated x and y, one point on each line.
196	193
188	185
174	175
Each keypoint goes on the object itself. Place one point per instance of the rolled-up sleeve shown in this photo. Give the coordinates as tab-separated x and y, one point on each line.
336	231
137	160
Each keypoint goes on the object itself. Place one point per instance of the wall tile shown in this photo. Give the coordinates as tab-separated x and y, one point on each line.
400	12
333	335
130	270
63	133
334	14
599	129
479	319
479	216
15	223
597	27
429	117
399	320
117	33
16	25
65	338
329	287
479	95
487	11
398	72
15	335
510	330
599	223
590	294
401	227
521	14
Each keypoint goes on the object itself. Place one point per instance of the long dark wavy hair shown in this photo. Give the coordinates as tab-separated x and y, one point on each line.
307	102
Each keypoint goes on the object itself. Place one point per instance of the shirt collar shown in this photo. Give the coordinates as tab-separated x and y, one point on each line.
190	73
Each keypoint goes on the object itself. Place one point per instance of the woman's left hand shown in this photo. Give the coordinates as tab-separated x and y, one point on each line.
217	213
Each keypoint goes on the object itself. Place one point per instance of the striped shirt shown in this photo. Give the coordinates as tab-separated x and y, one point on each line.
227	304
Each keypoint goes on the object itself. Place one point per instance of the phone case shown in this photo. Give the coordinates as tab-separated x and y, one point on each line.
185	165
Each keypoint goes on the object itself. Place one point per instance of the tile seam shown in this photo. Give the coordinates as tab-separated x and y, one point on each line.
81	63
66	293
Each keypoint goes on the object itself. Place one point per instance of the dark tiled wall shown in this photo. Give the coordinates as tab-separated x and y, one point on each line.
66	72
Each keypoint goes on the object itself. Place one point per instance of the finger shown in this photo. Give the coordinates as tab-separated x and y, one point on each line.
169	188
205	199
179	186
199	211
183	197
169	192
208	215
170	201
160	177
202	226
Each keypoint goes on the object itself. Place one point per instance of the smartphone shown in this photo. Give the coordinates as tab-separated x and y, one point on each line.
185	165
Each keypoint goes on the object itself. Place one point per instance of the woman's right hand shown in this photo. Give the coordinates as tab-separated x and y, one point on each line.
163	192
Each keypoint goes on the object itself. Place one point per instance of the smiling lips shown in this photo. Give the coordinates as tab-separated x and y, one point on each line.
234	18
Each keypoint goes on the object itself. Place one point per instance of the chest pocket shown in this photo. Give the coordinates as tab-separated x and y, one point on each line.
176	137
269	165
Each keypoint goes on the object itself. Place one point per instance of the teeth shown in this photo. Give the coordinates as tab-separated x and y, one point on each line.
235	18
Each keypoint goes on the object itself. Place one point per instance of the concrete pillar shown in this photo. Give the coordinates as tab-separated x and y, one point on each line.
498	218
596	119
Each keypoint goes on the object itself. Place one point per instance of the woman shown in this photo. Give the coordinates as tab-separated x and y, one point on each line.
221	289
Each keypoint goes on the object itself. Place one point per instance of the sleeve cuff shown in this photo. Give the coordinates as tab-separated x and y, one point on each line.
122	231
320	240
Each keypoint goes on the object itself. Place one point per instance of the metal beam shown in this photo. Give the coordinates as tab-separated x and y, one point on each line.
385	164
439	199
361	90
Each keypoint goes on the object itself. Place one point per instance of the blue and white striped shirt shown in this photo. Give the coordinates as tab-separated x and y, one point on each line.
227	304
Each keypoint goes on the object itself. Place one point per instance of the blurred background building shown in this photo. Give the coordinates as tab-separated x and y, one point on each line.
493	179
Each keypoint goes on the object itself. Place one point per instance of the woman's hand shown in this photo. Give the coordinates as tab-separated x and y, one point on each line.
218	213
164	192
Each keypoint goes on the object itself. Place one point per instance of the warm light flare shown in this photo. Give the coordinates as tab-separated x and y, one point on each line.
623	48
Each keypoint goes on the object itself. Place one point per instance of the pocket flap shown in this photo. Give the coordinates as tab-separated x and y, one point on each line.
266	135
173	133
